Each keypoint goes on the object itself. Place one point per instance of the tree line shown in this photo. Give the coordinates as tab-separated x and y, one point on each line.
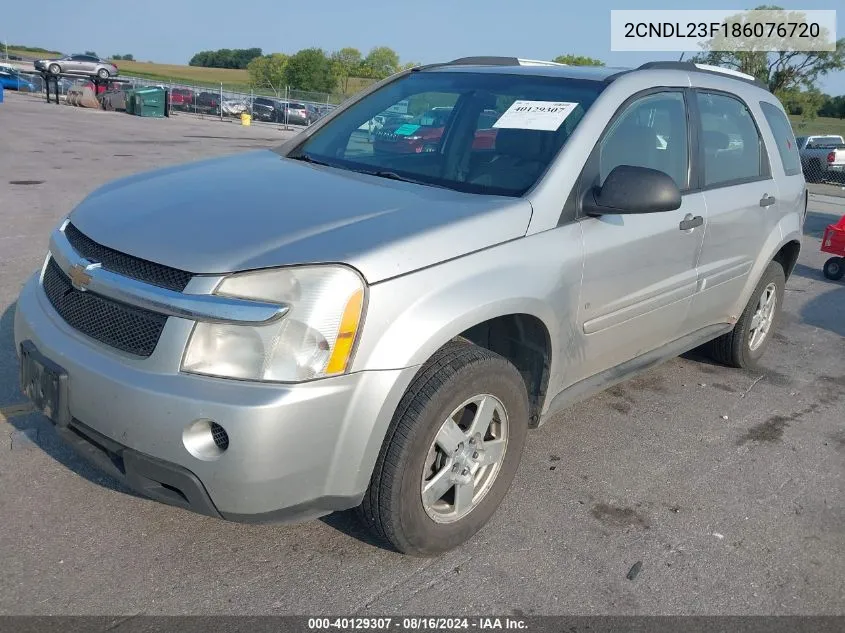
225	58
314	69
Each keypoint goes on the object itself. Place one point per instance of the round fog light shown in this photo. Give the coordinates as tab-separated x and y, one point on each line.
205	439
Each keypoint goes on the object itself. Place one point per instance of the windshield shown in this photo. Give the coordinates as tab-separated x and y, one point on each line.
826	140
475	132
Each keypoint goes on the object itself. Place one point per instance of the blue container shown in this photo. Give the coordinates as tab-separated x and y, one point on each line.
1	94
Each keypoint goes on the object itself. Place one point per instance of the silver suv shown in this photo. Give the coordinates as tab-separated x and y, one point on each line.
346	323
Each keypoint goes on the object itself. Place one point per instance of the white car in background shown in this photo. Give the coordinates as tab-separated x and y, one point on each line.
233	107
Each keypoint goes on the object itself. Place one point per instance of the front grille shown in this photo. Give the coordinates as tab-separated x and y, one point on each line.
116	324
123	264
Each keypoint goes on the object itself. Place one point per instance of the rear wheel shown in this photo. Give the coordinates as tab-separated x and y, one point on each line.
834	268
744	345
103	73
451	452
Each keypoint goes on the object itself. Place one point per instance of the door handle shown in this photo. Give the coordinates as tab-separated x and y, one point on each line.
690	222
767	200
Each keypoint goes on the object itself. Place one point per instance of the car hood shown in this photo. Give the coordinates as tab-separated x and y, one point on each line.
258	210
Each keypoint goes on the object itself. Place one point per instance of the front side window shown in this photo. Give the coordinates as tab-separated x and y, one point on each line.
782	131
730	141
651	132
486	133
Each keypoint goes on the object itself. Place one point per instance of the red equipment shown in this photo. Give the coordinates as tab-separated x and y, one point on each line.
834	242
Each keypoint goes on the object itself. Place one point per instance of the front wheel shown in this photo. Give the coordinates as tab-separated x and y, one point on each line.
743	346
834	268
451	451
55	69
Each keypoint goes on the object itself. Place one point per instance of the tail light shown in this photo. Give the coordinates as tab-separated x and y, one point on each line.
831	157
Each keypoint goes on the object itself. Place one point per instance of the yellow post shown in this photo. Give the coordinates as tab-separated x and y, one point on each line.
246	118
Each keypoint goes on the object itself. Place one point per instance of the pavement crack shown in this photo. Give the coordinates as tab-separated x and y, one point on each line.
453	569
398	583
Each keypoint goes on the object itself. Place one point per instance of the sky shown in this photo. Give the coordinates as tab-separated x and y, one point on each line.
171	31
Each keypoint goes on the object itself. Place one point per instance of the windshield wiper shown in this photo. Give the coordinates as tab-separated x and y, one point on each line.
305	158
392	175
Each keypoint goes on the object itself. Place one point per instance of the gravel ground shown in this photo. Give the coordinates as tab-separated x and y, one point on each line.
726	485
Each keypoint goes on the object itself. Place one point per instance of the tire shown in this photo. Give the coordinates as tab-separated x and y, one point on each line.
103	73
738	348
54	69
834	268
393	506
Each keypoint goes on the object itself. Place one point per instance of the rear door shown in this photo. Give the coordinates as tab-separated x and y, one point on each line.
75	64
639	270
743	203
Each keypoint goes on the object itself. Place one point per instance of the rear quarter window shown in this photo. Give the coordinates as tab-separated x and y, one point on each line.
784	137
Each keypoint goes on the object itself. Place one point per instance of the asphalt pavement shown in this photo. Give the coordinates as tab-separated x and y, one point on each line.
727	486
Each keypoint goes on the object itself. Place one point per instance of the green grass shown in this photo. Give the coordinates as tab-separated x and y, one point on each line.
233	80
29	51
819	125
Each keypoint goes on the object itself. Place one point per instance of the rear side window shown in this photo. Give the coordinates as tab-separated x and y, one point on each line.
730	140
782	131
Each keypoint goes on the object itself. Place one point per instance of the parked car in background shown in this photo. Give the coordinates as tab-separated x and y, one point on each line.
297	113
822	157
207	103
88	64
13	80
314	112
278	111
265	108
181	98
234	107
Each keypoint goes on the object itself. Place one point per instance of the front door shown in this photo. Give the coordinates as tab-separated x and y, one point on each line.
639	270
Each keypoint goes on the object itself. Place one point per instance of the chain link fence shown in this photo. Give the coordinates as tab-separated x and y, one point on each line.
822	158
266	104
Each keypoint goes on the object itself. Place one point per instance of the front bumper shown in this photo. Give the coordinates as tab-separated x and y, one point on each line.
295	451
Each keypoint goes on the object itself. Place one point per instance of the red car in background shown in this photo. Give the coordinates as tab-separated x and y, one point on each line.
422	134
181	98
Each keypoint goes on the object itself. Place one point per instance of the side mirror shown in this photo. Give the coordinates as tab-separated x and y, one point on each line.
630	189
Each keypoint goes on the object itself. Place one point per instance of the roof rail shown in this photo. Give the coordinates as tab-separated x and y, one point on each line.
703	68
483	61
498	61
538	62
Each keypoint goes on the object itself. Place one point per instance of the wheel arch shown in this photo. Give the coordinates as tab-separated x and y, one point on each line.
787	256
783	245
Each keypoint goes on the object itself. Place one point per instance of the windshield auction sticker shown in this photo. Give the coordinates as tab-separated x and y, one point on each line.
535	115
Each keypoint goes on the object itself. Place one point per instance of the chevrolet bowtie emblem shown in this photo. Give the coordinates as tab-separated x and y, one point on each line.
79	277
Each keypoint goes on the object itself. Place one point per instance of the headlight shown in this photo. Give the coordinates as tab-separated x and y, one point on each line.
313	340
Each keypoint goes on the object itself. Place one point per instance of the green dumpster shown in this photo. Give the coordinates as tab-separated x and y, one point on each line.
130	102
150	102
